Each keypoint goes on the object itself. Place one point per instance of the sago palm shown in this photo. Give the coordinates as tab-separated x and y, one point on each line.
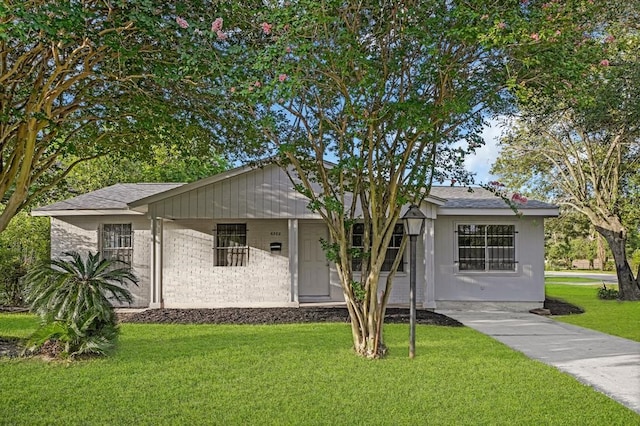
73	299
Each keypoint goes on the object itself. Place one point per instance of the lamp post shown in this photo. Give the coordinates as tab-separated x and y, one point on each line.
413	226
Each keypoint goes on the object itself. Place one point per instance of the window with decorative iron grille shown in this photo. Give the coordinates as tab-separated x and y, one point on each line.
231	247
392	250
116	242
486	247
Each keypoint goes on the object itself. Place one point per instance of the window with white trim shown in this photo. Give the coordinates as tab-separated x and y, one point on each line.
392	250
231	247
486	247
116	242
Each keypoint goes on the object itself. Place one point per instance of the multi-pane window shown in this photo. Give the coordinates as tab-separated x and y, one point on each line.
116	242
486	247
231	245
392	250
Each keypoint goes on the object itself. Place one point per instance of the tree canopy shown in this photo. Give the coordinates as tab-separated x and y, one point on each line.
83	79
577	138
365	104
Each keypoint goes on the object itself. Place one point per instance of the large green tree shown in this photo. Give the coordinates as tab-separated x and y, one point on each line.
82	79
364	103
577	138
588	171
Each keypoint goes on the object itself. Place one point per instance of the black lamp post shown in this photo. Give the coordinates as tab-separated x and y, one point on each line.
413	226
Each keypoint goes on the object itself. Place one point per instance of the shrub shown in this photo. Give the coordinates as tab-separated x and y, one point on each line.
72	298
12	271
23	244
607	293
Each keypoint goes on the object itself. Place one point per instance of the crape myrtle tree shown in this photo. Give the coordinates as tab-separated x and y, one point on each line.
577	138
365	104
83	79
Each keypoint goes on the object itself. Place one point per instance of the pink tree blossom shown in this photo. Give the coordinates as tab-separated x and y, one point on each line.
182	22
282	77
266	28
519	198
604	63
216	25
221	35
535	36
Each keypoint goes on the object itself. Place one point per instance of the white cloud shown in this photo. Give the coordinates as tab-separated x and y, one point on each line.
481	162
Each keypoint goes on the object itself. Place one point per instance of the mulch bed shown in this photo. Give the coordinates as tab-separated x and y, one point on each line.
275	316
560	307
11	347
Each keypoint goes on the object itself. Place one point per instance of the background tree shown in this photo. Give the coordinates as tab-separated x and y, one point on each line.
163	163
590	170
365	104
24	243
82	79
559	233
577	137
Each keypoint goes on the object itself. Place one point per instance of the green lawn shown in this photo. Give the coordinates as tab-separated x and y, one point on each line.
609	316
295	374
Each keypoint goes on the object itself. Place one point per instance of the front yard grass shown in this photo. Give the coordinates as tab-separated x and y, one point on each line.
295	374
609	316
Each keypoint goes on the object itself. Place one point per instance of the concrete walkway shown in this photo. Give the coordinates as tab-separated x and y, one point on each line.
609	364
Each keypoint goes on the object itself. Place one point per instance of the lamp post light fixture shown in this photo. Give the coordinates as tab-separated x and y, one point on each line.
413	226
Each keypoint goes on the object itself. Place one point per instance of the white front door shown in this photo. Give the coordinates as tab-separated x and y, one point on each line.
314	266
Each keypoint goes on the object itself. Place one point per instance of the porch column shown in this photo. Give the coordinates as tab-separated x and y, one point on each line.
429	265
293	258
156	300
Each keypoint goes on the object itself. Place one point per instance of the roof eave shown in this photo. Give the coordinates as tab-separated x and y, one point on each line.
542	212
87	212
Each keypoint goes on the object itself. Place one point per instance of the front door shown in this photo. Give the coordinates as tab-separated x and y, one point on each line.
314	267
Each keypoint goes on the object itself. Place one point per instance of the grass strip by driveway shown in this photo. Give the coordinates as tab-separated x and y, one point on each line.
571	280
296	374
608	316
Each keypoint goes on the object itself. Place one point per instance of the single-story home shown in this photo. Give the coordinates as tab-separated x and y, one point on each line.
245	238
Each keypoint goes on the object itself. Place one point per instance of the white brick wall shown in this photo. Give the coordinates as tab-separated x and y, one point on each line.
192	281
80	233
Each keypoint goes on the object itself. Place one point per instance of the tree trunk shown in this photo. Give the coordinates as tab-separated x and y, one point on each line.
366	319
628	285
602	255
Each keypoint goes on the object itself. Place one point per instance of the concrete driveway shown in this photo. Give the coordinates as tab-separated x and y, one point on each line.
609	364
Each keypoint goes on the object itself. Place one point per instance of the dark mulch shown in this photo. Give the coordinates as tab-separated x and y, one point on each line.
275	316
560	307
12	347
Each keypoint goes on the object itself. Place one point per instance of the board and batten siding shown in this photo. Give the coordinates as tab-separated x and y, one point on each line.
190	279
263	193
525	285
81	234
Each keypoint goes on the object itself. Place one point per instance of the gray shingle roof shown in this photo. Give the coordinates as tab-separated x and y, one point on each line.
113	197
458	197
116	197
